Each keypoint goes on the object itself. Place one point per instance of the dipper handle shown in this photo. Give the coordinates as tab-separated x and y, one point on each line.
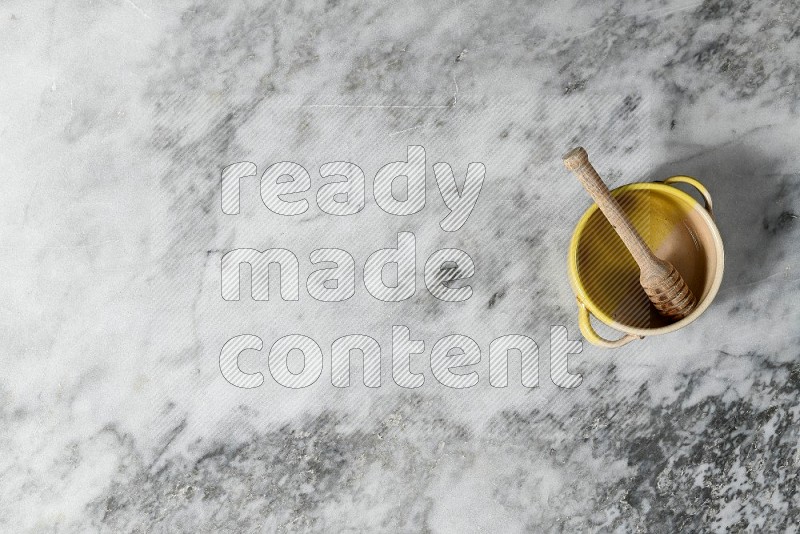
577	161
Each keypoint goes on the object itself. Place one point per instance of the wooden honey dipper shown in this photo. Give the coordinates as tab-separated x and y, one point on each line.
661	281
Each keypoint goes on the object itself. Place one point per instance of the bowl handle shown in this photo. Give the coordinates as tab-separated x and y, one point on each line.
585	324
697	185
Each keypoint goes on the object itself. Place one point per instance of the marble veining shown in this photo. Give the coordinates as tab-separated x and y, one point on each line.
116	120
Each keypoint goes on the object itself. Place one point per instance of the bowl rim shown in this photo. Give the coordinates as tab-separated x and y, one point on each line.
584	299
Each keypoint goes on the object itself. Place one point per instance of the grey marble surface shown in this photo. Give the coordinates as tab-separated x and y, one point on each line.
116	120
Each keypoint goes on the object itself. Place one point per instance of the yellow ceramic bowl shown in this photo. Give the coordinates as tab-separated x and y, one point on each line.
605	278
